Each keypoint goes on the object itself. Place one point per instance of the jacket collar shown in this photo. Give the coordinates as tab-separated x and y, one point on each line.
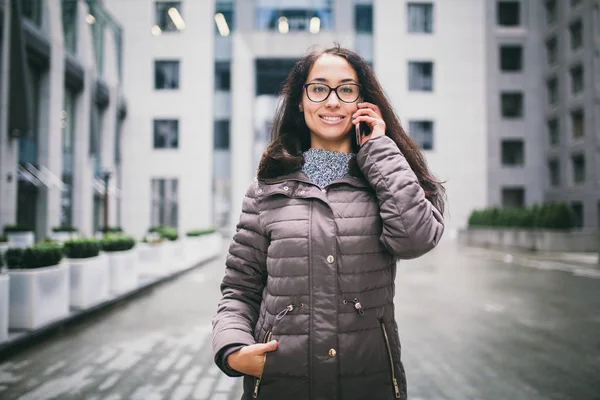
299	176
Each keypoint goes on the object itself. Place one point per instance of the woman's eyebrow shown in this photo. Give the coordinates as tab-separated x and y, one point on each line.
327	80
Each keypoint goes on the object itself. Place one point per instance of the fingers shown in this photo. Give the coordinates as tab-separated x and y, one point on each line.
372	121
267	347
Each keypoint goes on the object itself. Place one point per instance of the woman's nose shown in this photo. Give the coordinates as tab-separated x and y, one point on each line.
332	100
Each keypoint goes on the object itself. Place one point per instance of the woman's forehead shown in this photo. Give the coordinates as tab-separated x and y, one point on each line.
331	69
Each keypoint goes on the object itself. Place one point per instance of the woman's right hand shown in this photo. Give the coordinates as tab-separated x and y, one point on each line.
250	360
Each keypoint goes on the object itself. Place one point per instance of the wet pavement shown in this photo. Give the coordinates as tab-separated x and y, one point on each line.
474	324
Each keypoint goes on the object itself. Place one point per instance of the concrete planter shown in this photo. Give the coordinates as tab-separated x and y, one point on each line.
124	274
62	237
202	247
38	296
4	288
21	239
3	247
174	255
151	259
531	239
89	281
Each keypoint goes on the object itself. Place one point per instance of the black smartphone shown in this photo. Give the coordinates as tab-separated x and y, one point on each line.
362	129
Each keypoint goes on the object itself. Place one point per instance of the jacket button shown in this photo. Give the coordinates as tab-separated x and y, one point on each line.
286	188
302	191
330	259
324	190
259	191
332	353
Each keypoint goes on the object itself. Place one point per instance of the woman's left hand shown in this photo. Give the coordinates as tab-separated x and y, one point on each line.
371	115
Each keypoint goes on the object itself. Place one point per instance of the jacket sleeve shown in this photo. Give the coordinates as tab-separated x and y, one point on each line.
411	224
242	286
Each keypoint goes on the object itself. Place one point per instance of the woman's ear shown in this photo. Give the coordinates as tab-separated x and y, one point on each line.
300	108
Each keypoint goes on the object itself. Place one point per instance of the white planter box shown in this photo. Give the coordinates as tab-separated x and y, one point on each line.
21	239
3	247
89	281
124	274
62	237
3	307
38	296
202	247
152	259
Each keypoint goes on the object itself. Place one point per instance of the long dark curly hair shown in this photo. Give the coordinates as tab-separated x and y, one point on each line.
290	135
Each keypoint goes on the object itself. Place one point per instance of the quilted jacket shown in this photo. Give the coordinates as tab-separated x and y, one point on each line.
314	269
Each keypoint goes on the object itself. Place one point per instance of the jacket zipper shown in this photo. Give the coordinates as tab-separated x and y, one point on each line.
289	308
389	350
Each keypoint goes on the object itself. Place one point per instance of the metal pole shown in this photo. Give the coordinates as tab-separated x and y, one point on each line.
106	178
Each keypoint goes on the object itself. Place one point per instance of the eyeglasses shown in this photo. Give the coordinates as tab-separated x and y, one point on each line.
319	92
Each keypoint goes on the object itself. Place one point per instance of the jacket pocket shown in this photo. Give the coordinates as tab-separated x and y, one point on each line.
267	338
392	368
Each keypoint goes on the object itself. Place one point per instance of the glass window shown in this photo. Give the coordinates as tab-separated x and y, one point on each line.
577	123
552	91
513	152
553	131
551	50
223	75
576	34
363	18
165	204
554	172
270	74
577	208
32	10
166	133
550	6
508	13
168	16
513	197
420	17
577	79
422	133
512	104
224	23
578	161
511	58
69	20
222	135
284	17
575	3
420	76
166	74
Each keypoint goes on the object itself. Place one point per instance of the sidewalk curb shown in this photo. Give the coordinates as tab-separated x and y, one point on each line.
30	338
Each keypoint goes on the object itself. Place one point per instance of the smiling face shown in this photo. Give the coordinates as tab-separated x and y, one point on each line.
330	121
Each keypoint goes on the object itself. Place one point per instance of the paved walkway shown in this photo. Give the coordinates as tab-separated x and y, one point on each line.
474	324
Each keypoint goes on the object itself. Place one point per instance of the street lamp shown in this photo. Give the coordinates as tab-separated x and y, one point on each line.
105	176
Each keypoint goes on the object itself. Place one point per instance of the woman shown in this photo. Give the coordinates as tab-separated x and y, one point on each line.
307	309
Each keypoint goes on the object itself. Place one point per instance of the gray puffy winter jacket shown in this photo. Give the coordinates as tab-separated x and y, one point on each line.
314	269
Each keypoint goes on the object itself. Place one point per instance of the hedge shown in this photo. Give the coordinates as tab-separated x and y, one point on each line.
3	238
200	232
81	248
16	229
165	232
553	215
64	228
117	242
38	256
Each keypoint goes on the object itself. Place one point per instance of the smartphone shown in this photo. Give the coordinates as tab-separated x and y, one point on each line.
362	129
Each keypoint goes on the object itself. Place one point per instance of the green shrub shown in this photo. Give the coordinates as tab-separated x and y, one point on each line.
111	229
64	228
166	232
16	229
82	248
3	238
546	216
200	232
117	242
38	256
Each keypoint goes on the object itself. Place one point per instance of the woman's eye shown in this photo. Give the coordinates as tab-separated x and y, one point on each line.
319	89
347	89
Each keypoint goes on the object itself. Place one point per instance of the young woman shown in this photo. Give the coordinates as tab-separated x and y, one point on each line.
307	310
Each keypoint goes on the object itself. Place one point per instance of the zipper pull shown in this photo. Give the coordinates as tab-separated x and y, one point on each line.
396	389
288	309
357	306
255	394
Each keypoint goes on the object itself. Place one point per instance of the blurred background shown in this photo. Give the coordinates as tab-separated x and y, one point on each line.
151	115
168	104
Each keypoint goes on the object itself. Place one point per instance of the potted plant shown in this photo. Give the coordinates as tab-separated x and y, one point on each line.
4	288
3	243
110	230
202	244
63	233
122	261
19	236
39	285
174	249
151	256
89	272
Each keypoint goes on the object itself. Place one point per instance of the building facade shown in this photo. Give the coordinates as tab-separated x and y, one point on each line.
63	108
